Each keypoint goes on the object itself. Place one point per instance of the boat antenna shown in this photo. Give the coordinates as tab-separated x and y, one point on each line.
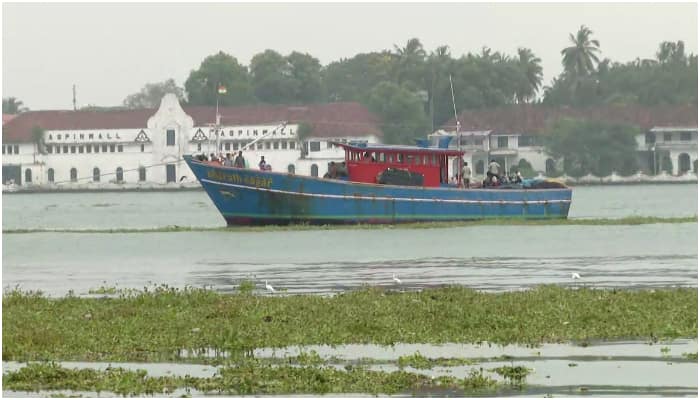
459	135
454	106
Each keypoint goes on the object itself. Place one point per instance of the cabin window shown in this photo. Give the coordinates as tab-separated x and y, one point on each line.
400	158
434	160
382	157
417	160
315	146
390	158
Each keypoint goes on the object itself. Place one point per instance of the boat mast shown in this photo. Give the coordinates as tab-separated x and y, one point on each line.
459	134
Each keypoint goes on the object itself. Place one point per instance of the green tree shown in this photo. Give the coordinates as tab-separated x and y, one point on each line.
580	58
202	84
306	70
353	79
410	64
530	66
401	112
38	139
152	93
11	105
272	78
593	147
670	52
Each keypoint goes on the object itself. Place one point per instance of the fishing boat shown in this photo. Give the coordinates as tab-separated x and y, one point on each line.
376	184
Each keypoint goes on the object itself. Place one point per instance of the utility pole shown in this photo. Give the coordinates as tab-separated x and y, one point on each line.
74	106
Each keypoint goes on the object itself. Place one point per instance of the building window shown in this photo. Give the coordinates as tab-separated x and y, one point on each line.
668	137
235	146
27	175
120	148
276	145
142	174
227	146
479	167
329	144
292	145
88	148
259	146
49	149
111	148
51	177
81	149
502	142
65	149
284	145
73	175
267	145
685	136
104	148
255	132
16	149
95	174
199	147
314	170
9	149
120	175
72	149
650	138
143	148
240	132
315	146
3	149
170	137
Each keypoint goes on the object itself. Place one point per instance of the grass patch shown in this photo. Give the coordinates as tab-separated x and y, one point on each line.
157	324
251	377
103	290
419	361
636	220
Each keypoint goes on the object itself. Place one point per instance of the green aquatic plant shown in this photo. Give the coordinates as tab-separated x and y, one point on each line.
103	290
168	324
419	361
513	374
246	286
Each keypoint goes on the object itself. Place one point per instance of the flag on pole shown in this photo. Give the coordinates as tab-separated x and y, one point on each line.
222	89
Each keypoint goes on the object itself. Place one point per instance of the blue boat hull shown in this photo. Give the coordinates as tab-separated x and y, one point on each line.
252	197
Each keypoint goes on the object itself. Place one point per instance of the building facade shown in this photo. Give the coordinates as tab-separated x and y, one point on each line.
514	136
146	146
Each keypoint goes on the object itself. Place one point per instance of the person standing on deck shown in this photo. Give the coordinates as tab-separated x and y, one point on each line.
262	164
466	175
239	162
494	170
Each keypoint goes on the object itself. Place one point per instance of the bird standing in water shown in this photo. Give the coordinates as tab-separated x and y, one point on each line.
269	287
395	279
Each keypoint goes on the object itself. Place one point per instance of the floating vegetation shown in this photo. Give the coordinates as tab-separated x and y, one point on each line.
637	220
158	324
691	356
103	290
250	377
513	374
419	361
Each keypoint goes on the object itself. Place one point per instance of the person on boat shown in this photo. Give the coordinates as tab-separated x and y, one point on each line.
466	175
262	164
228	162
494	169
343	170
239	162
518	178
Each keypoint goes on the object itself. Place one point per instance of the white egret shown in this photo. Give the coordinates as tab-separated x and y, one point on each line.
575	276
395	279
269	287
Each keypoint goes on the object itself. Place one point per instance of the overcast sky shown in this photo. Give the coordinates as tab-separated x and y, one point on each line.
111	50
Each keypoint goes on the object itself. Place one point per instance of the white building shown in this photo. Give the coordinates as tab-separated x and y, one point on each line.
146	146
513	136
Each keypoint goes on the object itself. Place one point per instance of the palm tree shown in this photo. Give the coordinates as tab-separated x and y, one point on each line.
11	105
579	59
409	58
671	52
530	66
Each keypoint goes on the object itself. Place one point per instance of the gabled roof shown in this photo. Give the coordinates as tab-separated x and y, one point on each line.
326	120
534	118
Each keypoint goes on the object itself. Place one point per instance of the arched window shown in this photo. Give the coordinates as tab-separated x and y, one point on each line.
550	167
120	175
51	175
95	174
27	175
142	174
683	163
479	169
73	175
291	169
314	170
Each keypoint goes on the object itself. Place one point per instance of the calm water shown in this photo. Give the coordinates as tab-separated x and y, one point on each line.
492	258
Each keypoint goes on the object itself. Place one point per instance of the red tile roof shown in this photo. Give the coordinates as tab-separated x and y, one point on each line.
7	117
327	120
533	119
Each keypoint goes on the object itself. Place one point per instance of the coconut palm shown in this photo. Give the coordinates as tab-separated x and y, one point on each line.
409	60
580	59
530	66
12	105
671	52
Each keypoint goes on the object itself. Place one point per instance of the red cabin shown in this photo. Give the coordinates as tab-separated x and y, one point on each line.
365	163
